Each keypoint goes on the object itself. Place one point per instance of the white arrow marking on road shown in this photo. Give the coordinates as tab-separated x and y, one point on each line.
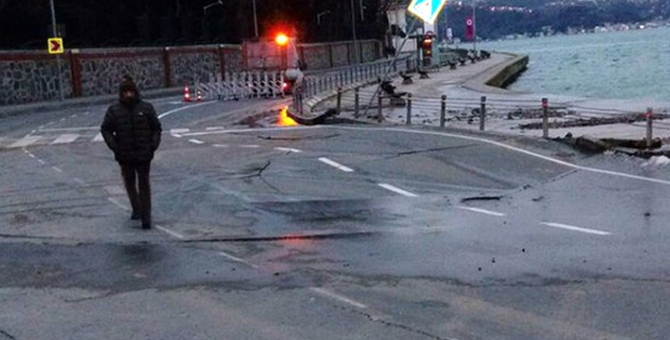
573	228
98	138
397	190
482	211
335	164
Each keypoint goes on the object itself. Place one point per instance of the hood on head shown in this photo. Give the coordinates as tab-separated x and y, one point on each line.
128	85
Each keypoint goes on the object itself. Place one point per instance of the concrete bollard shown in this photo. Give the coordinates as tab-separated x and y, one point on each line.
482	113
443	110
357	98
339	100
408	121
650	119
380	117
545	118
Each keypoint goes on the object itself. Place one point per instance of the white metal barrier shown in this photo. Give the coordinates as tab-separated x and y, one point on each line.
243	85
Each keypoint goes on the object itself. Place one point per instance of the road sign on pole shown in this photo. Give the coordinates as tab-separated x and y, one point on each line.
426	10
55	46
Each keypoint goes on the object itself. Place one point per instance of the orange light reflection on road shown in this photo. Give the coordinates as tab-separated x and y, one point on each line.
284	119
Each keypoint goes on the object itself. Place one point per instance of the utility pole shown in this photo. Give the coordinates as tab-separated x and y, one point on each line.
58	62
255	18
353	29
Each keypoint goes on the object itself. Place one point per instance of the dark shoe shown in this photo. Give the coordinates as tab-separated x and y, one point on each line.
146	225
135	216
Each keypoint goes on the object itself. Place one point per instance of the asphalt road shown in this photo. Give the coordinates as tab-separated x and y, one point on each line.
332	232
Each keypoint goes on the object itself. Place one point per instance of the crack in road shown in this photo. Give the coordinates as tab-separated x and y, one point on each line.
386	323
7	335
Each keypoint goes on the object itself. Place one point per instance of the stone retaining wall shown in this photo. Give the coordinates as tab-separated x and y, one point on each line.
30	76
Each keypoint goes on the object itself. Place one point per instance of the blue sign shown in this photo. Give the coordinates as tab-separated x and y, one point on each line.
426	10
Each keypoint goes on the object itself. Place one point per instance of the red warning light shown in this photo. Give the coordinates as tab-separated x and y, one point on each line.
281	39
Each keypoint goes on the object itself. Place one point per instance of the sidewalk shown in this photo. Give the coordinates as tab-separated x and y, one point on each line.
465	86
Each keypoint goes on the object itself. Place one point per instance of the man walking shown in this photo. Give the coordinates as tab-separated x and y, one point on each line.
132	131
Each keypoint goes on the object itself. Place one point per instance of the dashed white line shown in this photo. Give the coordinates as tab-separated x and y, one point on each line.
211	128
41	161
249	146
397	190
483	211
31	155
170	232
237	259
196	141
117	203
288	150
573	228
335	164
177	135
179	131
57	169
338	297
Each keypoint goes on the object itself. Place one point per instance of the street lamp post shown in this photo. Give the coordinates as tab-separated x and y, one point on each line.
58	62
253	2
353	28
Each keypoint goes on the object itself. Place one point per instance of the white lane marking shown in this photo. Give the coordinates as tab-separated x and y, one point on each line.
397	190
237	259
179	131
177	135
512	148
65	138
80	182
57	169
73	116
573	228
25	141
31	155
288	149
221	145
204	133
214	128
335	164
338	297
249	146
196	141
98	137
482	211
117	203
62	119
70	129
170	232
165	114
41	161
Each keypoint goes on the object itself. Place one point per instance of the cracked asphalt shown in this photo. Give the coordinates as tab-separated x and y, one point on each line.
355	231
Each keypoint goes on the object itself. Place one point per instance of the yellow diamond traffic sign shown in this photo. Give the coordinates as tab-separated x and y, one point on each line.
426	10
55	46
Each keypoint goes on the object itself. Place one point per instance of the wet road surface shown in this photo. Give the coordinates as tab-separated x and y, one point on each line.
332	232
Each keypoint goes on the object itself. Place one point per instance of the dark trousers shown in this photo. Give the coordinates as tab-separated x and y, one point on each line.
136	176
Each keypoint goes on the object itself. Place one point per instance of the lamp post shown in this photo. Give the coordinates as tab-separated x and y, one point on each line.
253	3
58	62
353	28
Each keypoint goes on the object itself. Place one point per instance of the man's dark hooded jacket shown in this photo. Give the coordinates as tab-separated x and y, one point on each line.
131	128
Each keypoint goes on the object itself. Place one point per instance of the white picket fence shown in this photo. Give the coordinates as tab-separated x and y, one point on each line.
243	85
